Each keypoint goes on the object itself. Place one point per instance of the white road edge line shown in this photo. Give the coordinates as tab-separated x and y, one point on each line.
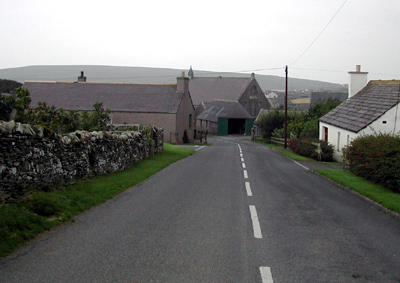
248	189
200	147
256	223
245	174
301	165
266	275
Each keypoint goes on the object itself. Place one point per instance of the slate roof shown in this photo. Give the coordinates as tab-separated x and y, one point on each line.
223	109
365	107
123	97
210	88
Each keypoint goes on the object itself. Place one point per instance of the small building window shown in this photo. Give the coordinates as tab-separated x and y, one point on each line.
190	120
384	122
338	141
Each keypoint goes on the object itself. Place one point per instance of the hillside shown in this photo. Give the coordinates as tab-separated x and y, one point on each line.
96	73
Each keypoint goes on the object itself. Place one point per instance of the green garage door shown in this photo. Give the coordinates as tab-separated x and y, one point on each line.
222	126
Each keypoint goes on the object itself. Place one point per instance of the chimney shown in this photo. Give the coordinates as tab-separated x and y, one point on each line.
191	73
253	76
182	85
82	78
358	80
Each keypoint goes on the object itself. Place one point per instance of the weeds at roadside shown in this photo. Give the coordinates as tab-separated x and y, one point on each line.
45	208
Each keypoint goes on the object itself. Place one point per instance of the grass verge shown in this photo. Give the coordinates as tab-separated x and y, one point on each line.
377	193
287	153
41	211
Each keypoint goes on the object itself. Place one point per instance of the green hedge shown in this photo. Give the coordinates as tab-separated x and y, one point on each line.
305	147
376	158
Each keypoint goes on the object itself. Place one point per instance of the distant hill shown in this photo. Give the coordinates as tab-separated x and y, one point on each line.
96	73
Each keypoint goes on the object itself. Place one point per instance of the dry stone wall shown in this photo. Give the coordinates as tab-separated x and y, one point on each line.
32	155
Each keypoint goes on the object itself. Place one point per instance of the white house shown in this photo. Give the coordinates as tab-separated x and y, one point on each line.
371	108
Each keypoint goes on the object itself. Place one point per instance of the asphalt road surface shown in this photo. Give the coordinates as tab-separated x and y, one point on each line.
232	212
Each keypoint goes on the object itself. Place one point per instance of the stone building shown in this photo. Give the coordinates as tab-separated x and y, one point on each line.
168	106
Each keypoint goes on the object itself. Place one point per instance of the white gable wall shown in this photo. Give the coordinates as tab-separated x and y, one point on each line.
339	138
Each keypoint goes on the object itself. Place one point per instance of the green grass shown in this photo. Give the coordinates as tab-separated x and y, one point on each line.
287	153
41	211
377	193
295	156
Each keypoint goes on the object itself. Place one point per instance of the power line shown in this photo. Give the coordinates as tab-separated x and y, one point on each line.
312	43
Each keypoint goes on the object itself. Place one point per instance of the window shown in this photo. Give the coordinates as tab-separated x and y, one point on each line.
348	140
338	142
190	120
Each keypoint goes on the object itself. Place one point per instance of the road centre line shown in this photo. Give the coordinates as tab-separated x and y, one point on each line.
266	275
200	147
256	223
248	189
244	166
245	174
242	159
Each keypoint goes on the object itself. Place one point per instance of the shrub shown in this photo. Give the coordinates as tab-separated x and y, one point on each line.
327	151
376	158
305	147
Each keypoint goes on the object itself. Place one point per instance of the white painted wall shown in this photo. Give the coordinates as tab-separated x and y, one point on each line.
339	138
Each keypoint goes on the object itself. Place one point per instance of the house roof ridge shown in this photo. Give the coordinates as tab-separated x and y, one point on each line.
104	83
226	100
385	81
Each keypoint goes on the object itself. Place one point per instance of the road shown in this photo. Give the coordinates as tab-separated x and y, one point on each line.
232	212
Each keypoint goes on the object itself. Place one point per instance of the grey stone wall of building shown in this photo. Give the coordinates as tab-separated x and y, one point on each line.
32	155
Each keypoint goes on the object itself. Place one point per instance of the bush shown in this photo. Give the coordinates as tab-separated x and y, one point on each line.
304	147
271	121
327	151
376	158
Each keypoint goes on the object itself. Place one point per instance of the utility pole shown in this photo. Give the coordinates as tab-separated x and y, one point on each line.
286	99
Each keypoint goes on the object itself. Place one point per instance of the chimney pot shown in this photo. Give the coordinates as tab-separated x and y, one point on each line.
358	68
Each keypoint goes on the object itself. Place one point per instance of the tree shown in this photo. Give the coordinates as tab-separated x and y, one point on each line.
322	107
8	86
269	122
13	106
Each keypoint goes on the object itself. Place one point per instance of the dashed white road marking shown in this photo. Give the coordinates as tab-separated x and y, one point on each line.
244	165
266	275
256	223
248	189
200	148
242	159
245	174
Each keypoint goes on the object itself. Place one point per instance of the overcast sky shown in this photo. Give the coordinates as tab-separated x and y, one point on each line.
212	35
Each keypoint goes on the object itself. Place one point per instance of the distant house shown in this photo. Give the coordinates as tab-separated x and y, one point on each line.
246	91
370	109
222	117
271	94
168	106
